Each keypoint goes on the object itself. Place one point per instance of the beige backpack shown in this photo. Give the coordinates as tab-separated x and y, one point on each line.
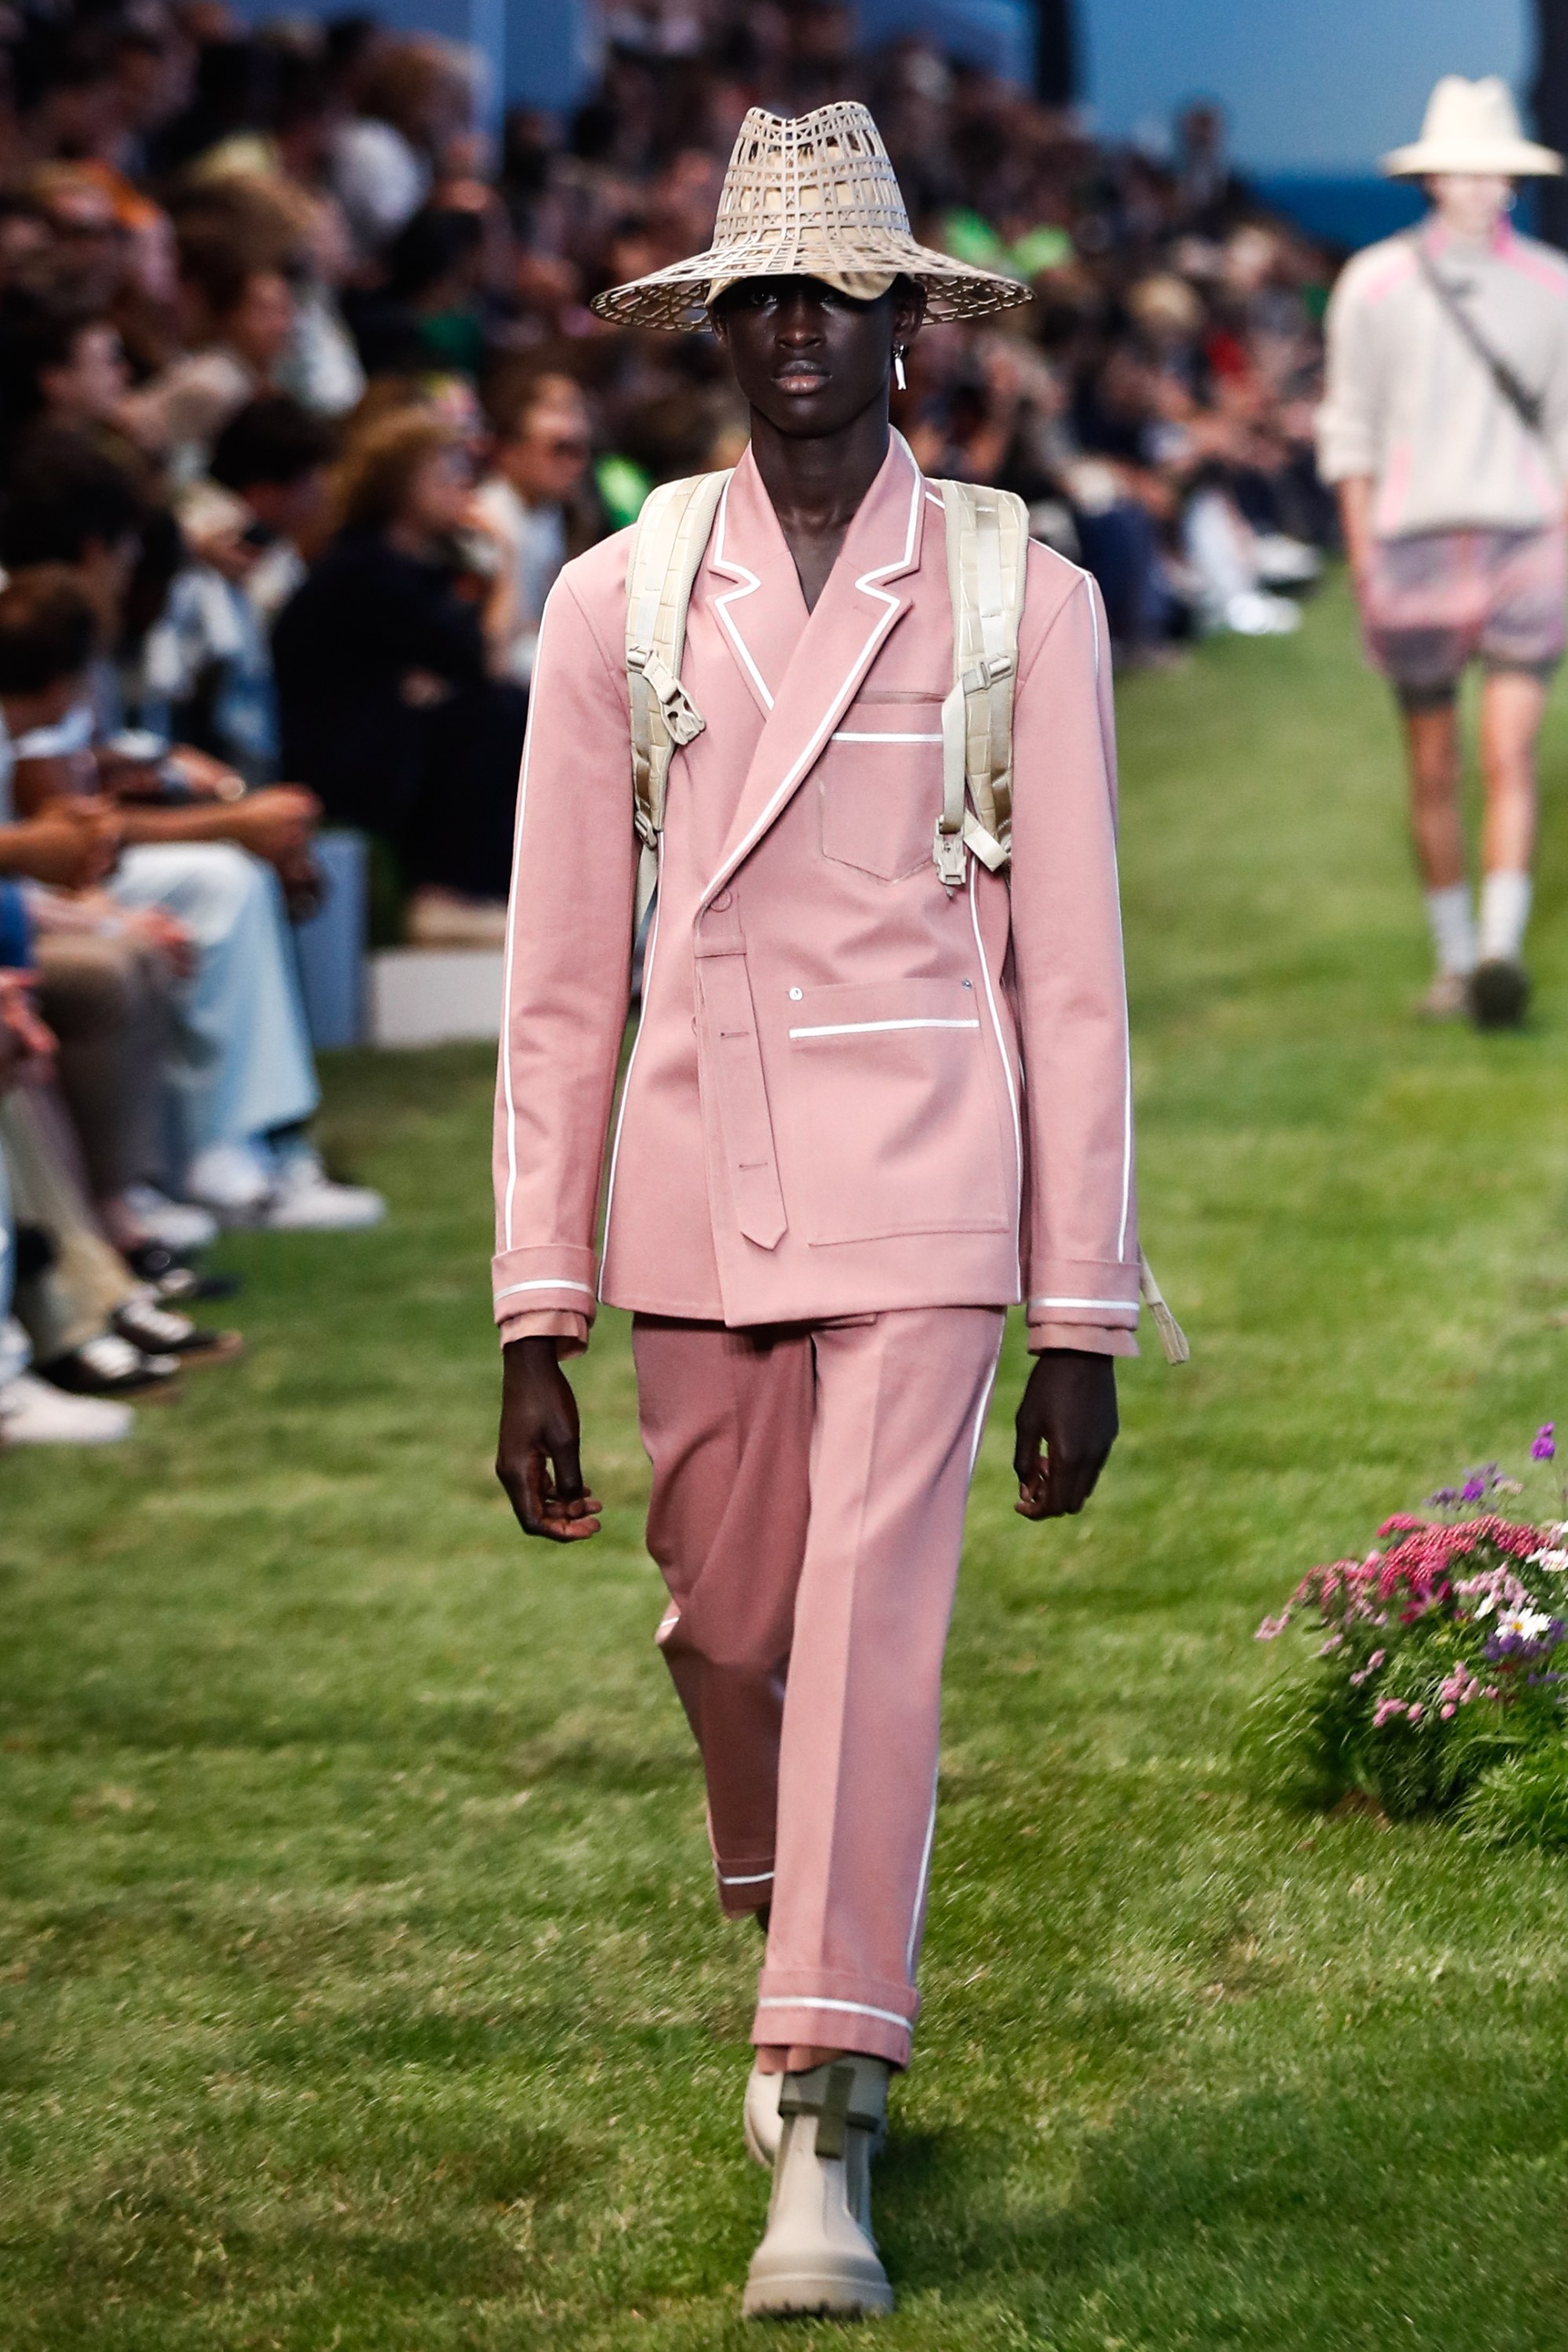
988	550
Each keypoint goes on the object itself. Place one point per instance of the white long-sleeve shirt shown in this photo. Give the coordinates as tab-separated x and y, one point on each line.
1411	404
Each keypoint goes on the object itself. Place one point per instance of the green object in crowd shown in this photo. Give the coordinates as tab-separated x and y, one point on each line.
454	340
622	486
968	236
1039	249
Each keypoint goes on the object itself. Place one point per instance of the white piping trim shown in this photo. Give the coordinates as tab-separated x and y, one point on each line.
867	585
757	1878
555	1282
925	1859
506	1045
854	2008
1007	1070
844	735
1121	1306
984	1408
932	500
751	584
921	1883
1126	1149
1093	624
631	1062
864	1028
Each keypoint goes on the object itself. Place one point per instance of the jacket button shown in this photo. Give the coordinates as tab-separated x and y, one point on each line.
720	903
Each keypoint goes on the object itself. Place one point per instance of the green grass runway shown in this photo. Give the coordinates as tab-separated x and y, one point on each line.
360	1983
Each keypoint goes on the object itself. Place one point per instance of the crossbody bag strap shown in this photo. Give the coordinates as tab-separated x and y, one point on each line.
1527	405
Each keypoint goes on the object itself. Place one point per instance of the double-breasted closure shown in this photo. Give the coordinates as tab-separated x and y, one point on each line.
851	1090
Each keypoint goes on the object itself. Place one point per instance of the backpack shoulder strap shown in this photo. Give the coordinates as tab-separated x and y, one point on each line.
671	535
987	552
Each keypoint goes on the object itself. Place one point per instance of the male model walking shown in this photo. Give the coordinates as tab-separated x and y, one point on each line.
830	1177
1446	429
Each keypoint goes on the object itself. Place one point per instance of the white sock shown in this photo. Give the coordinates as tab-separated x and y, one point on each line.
1453	932
1505	910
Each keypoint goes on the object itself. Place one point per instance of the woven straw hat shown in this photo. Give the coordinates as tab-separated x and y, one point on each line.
1472	126
809	196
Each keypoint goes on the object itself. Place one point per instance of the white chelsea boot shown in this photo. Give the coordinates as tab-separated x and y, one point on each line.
818	2253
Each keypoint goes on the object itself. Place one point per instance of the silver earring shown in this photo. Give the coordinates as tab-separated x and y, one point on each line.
898	375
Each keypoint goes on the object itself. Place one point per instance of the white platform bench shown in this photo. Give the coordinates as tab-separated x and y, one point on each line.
434	996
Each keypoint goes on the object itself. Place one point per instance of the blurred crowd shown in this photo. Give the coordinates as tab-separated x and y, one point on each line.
302	408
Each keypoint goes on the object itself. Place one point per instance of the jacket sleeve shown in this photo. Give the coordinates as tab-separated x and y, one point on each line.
1080	1237
567	978
1347	423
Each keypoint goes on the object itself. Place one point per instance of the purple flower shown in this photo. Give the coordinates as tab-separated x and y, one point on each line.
1444	1499
1543	1446
1473	1489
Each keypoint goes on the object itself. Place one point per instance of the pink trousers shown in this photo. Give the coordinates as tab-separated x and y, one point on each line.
807	1514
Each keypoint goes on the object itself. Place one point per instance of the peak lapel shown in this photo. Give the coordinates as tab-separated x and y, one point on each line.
754	593
854	614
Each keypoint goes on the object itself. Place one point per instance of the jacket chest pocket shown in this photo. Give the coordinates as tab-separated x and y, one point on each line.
879	784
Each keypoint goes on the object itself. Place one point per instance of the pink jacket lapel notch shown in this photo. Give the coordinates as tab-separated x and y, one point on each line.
811	667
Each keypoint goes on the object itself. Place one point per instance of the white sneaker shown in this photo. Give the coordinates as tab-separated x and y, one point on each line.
33	1414
306	1201
236	1181
176	1224
1255	614
1283	561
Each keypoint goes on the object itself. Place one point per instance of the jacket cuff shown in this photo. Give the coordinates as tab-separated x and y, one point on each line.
1099	1292
1090	1338
569	1331
555	1277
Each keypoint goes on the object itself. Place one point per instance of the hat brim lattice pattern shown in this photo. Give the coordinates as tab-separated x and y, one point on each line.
813	195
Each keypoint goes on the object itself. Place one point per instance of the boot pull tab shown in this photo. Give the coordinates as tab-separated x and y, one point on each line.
834	2121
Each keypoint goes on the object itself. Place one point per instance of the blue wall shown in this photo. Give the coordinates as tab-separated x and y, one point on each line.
1328	86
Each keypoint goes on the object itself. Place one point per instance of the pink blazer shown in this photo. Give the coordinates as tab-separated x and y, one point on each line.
850	1090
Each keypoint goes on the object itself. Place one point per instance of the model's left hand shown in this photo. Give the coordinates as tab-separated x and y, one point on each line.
1069	1412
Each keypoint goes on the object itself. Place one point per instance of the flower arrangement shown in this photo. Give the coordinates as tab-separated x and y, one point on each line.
1439	1678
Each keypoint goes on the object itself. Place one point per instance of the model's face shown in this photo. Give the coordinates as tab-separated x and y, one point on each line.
1471	204
808	358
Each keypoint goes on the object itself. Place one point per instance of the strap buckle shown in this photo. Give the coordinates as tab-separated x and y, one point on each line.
682	721
949	855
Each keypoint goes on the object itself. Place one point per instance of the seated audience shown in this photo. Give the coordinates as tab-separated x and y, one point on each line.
207	661
389	665
533	496
202	870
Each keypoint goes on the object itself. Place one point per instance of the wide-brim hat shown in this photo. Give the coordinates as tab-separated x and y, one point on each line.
809	196
1472	126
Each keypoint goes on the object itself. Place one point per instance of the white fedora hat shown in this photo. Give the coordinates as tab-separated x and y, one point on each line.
813	195
1472	126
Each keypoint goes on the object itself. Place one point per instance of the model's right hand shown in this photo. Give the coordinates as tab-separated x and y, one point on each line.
536	1460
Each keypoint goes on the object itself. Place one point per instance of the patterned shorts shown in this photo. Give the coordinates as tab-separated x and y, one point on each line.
1441	599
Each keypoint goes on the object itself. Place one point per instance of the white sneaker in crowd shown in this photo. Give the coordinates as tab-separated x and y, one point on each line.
178	1224
1283	561
1253	613
235	1180
306	1201
33	1414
